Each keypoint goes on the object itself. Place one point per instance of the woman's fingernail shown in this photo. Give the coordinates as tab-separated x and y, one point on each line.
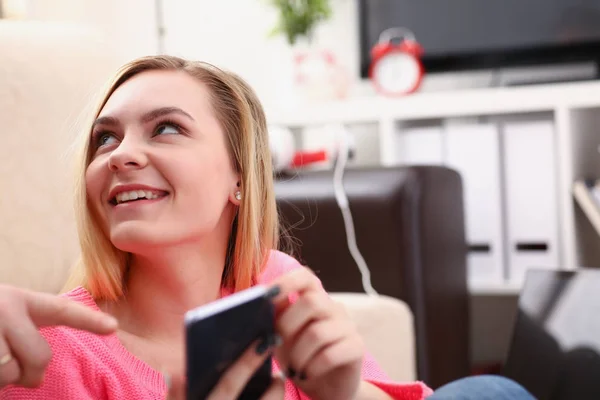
277	340
167	379
110	322
291	373
273	292
263	346
281	375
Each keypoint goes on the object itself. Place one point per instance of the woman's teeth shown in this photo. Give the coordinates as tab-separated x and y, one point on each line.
135	195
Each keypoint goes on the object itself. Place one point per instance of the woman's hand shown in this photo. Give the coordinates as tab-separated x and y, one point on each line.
321	349
24	354
234	380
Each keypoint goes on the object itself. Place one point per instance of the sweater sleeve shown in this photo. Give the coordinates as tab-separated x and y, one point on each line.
372	373
64	377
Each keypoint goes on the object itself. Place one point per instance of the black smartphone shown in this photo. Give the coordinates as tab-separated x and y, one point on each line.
219	332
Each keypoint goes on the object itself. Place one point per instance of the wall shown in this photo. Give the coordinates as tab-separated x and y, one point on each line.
128	26
234	34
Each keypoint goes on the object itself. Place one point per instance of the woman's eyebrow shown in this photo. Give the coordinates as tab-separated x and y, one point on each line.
159	112
147	117
109	121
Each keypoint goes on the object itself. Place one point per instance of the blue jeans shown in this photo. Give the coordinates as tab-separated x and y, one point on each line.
482	387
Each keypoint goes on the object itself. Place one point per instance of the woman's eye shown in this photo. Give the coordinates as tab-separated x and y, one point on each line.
105	139
167	129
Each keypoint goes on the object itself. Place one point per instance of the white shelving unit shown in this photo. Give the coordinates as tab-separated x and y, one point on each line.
572	108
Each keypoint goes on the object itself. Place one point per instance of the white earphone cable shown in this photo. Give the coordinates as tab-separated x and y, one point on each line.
342	201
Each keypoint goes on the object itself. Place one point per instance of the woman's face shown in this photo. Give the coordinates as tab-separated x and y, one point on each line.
161	173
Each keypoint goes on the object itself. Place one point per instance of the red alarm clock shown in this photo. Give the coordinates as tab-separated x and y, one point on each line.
396	67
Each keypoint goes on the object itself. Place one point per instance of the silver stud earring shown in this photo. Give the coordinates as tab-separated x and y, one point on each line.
238	195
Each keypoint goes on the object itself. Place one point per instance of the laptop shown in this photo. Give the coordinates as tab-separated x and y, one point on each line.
555	348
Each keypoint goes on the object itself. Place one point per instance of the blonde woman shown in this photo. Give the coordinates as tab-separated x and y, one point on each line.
175	209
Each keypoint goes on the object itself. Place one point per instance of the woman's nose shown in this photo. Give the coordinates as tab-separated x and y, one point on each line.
128	155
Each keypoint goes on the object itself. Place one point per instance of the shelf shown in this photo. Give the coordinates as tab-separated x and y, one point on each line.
572	108
463	103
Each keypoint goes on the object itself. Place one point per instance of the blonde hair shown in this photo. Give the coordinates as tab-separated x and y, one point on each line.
255	230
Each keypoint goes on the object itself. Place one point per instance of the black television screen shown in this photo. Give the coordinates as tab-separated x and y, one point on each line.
474	34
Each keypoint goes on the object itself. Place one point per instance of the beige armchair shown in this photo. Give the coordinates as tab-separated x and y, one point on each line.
48	74
386	324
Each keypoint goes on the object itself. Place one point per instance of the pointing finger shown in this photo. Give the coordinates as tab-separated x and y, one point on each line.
49	310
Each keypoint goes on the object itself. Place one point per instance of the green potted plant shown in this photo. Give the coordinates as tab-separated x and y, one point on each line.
298	18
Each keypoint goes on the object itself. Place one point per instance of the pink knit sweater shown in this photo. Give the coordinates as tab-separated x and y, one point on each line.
87	366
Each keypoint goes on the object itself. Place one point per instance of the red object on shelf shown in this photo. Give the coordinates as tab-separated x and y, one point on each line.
396	69
302	158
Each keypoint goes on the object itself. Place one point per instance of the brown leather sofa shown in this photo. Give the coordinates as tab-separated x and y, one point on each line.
410	230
